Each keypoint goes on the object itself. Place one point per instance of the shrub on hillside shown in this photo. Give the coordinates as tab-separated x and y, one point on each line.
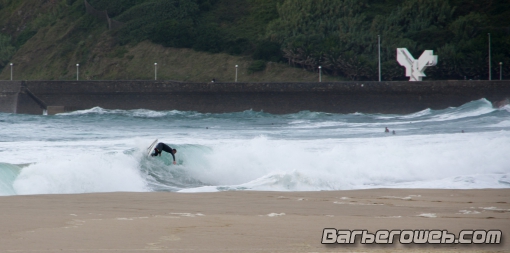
7	50
256	66
268	51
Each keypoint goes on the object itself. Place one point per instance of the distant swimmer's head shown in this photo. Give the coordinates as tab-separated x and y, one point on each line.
174	151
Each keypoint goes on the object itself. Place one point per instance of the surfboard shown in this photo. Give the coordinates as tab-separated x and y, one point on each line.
151	147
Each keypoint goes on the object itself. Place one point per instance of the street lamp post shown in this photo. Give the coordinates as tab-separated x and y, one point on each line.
501	71
155	71
77	71
490	74
11	70
379	50
236	71
320	74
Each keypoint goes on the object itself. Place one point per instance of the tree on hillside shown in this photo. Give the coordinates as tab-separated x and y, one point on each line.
7	50
324	32
160	21
339	36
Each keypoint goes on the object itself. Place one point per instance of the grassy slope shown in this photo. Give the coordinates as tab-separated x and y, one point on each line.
66	36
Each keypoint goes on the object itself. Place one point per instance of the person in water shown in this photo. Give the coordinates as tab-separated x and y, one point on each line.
386	130
163	147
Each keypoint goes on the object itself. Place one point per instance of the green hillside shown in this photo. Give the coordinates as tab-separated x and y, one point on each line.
270	40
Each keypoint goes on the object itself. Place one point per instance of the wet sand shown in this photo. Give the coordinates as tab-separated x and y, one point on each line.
245	221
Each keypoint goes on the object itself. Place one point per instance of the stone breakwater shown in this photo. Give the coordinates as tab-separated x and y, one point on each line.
33	97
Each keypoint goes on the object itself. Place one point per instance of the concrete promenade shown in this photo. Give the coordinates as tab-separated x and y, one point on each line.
32	97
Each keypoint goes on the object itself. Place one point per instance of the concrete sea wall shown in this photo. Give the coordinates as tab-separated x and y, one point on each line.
9	92
32	97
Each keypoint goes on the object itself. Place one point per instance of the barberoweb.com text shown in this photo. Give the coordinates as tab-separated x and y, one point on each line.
334	236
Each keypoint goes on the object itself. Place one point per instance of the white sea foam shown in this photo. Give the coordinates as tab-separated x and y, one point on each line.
428	215
100	150
483	107
188	214
275	214
505	123
460	161
409	116
464	161
468	212
81	174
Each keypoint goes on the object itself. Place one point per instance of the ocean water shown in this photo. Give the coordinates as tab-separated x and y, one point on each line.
99	150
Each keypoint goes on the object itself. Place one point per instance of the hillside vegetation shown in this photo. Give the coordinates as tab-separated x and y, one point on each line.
270	40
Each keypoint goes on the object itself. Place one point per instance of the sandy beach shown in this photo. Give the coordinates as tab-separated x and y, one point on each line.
245	221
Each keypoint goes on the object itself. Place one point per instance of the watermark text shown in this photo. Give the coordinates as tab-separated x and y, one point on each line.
334	236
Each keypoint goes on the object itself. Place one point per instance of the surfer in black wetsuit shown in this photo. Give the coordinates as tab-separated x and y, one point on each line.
163	147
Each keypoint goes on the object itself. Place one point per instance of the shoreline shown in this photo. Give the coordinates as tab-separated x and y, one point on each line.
245	221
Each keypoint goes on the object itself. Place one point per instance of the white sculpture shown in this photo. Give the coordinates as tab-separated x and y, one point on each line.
415	68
